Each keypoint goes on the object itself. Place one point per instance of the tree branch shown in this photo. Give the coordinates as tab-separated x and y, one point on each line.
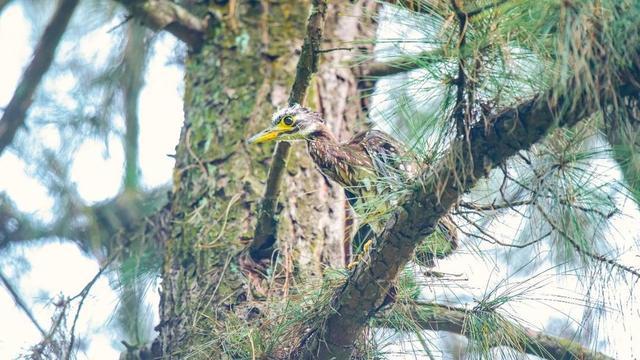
86	225
435	191
437	317
265	233
20	303
166	15
402	64
16	111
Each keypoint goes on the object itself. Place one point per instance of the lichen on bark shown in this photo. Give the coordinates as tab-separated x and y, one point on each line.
233	83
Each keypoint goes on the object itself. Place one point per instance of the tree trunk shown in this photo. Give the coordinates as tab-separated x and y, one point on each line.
232	85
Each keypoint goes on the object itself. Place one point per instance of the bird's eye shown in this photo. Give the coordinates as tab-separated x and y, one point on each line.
287	120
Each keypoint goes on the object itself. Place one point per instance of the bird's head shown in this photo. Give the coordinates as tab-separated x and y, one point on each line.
290	124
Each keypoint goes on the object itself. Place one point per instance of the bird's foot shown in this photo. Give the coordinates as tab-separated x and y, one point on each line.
367	246
365	249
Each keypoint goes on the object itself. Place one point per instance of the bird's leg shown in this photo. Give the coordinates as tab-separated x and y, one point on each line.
362	242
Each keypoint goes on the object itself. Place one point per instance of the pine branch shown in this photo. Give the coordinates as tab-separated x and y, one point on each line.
166	15
265	233
435	191
16	111
437	317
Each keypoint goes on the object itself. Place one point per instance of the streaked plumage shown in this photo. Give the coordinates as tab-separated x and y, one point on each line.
372	167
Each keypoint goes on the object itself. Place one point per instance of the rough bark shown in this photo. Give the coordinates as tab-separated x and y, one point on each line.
16	111
232	85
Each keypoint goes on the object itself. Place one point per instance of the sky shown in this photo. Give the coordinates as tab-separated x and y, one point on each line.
61	268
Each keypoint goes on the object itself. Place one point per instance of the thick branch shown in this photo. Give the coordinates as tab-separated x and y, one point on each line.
265	234
16	111
166	15
433	194
437	317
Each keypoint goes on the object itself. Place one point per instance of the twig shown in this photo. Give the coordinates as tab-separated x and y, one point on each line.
261	246
16	111
493	240
585	252
322	51
20	303
510	205
83	295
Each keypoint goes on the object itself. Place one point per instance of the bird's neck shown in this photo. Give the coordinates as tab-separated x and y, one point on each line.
323	148
323	135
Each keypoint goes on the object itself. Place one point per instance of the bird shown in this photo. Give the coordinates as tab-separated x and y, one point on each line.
372	167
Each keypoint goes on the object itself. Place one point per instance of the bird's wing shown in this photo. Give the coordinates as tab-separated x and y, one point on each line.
388	157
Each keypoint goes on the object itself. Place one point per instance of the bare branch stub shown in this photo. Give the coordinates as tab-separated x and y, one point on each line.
166	15
264	238
16	111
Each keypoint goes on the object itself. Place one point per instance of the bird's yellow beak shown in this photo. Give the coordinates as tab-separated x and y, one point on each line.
265	135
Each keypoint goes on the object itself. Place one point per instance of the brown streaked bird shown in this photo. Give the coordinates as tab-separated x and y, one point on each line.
372	167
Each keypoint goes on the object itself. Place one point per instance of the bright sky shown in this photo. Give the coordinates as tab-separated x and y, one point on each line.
61	268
